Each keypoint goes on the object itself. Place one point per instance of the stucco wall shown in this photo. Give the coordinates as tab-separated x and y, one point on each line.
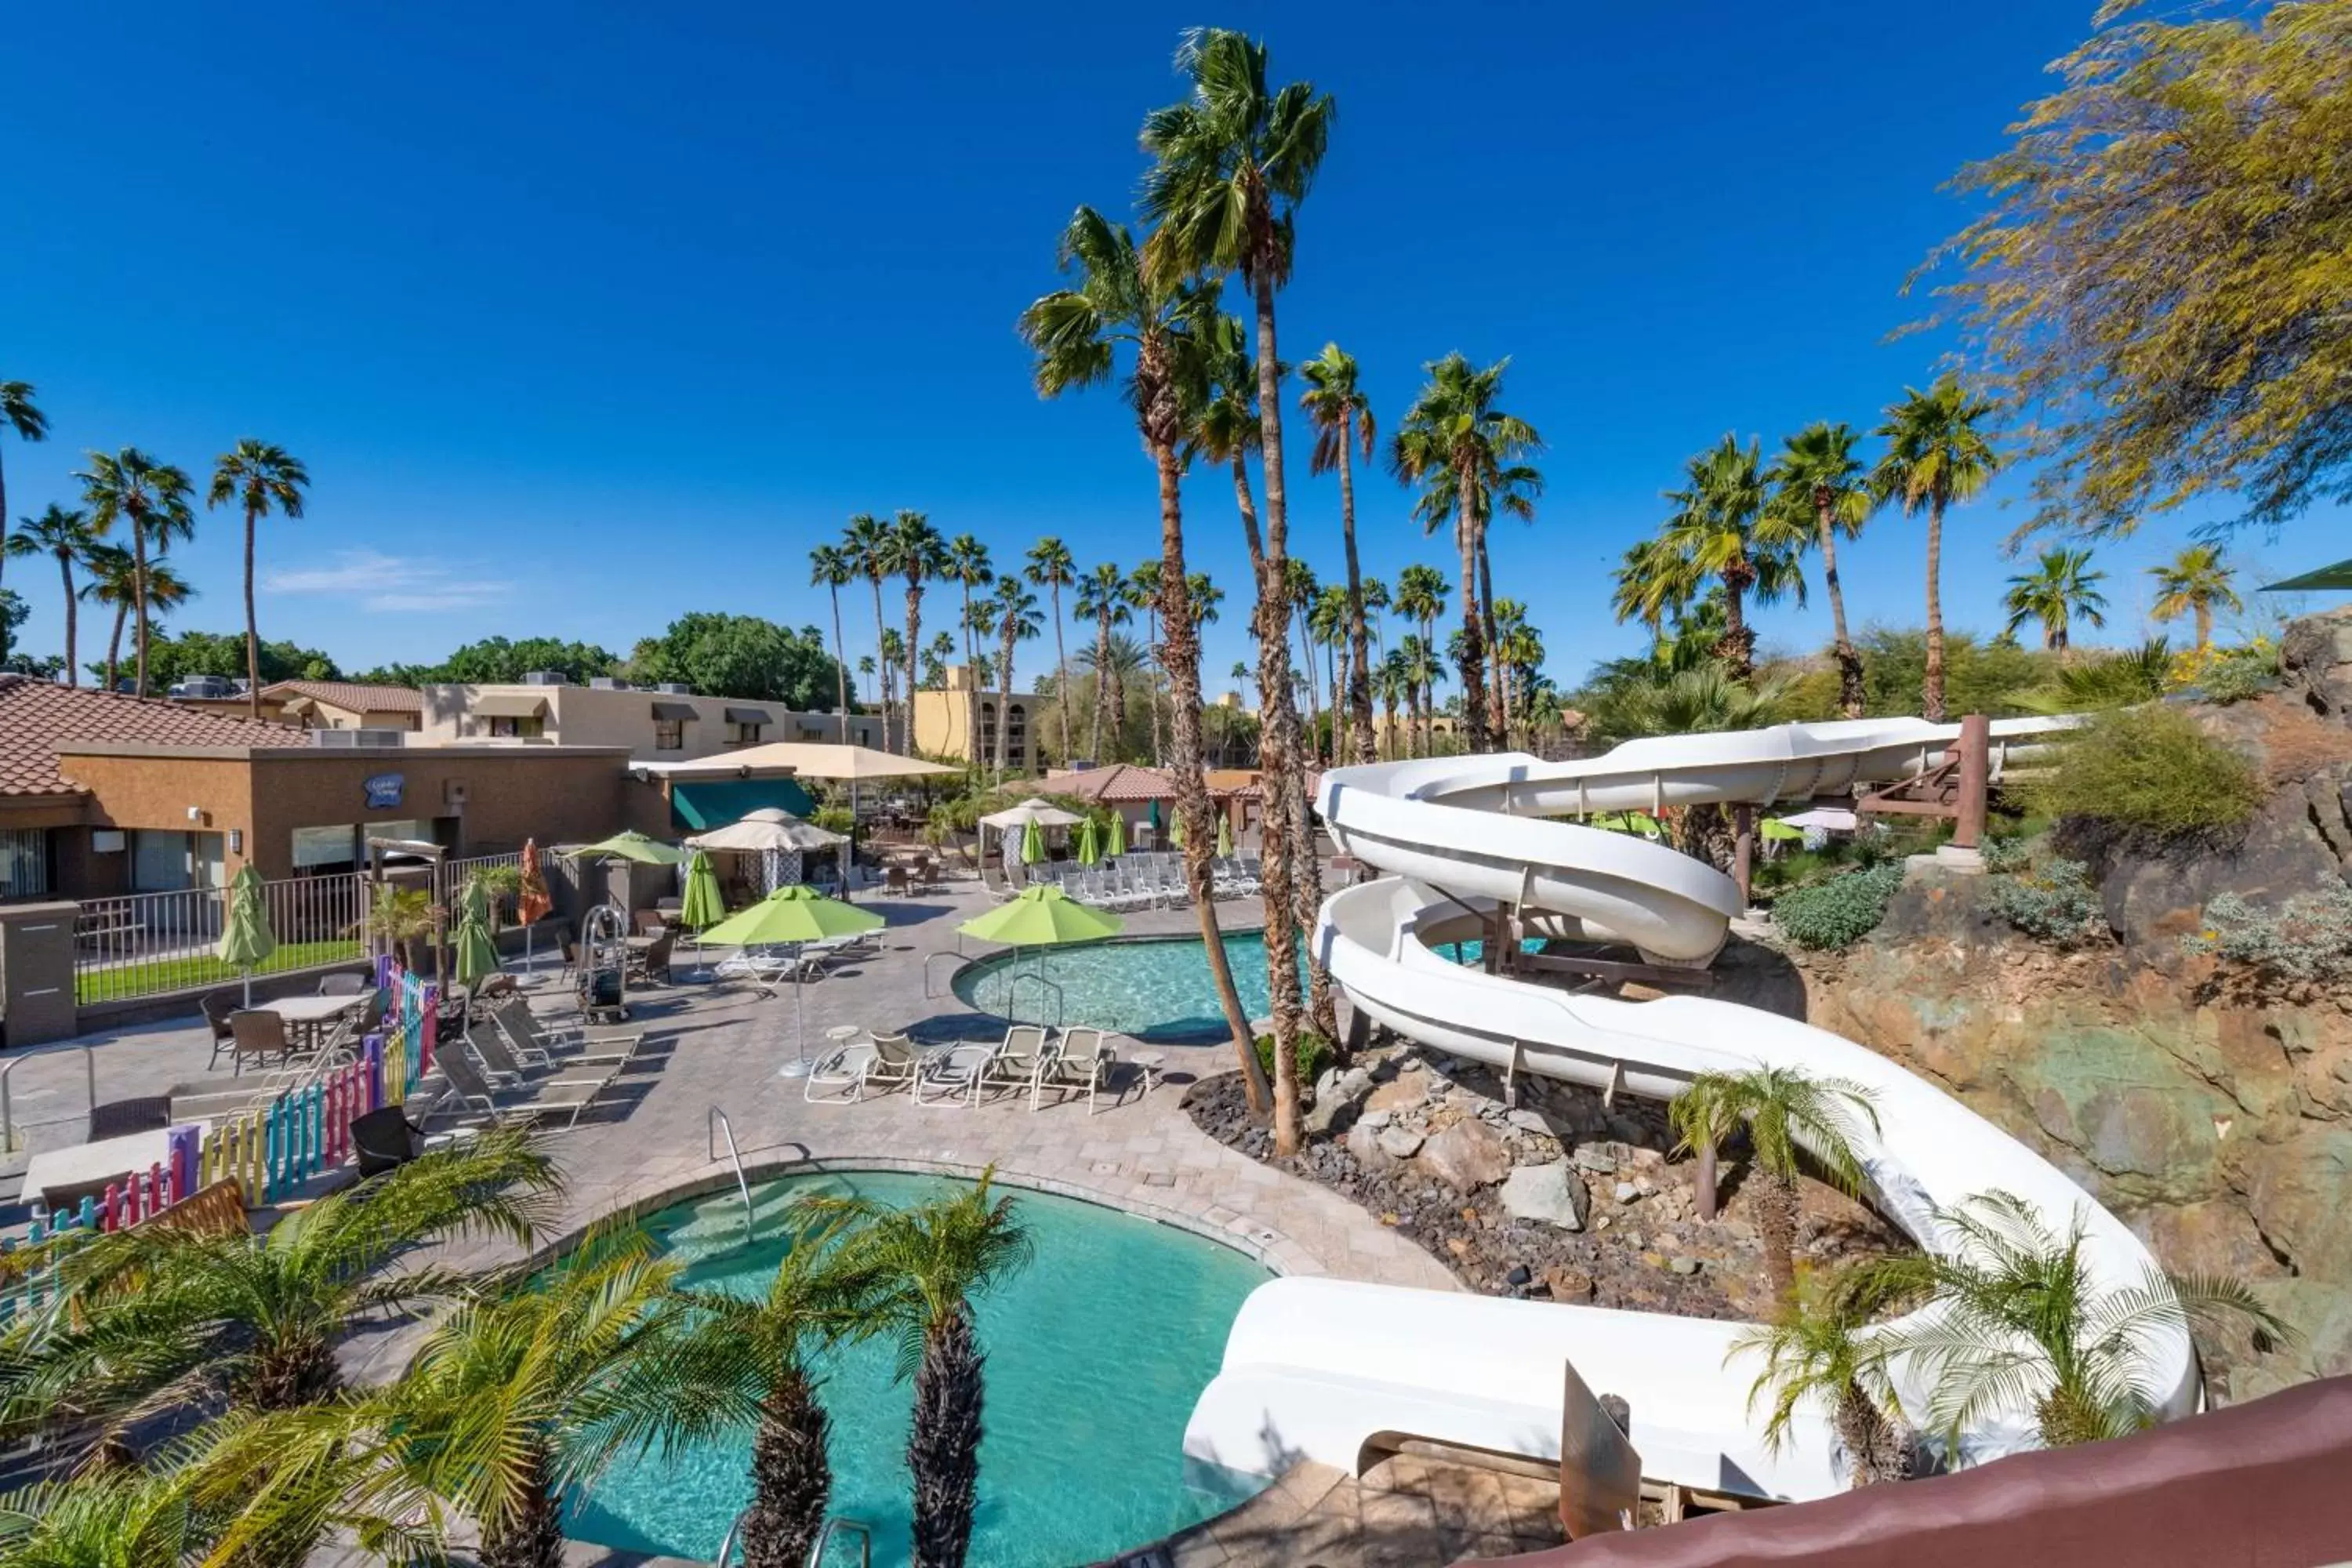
589	716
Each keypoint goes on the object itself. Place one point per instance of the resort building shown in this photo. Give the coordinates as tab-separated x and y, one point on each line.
1146	797
660	723
943	722
308	704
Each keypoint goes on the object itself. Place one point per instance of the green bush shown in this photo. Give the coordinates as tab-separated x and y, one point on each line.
833	819
2239	675
1313	1052
2308	939
2153	769
1838	913
2007	855
2056	904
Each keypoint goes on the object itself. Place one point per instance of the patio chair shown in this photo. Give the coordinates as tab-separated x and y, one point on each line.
1082	1059
119	1118
653	962
547	1098
217	1007
1019	1062
647	922
344	984
384	1140
511	1046
895	880
956	1073
881	1062
259	1035
553	1042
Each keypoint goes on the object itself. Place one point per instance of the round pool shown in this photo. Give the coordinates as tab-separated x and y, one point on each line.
1096	1354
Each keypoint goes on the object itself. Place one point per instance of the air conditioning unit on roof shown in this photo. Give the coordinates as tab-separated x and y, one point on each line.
607	683
543	678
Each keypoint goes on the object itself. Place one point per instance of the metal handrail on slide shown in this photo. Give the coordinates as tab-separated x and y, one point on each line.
714	1124
816	1553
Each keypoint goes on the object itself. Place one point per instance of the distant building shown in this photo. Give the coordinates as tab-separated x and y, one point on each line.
661	723
307	704
943	722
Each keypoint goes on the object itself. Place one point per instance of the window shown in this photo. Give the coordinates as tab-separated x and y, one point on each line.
23	862
744	734
508	728
669	734
320	848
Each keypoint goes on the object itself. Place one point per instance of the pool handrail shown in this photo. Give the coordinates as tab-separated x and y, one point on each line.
816	1553
713	1124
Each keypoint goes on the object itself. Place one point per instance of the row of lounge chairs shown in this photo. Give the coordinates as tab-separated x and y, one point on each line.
789	964
961	1074
1146	881
515	1065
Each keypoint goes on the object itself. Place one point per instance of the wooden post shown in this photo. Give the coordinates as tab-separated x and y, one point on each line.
1703	1179
1743	851
1975	774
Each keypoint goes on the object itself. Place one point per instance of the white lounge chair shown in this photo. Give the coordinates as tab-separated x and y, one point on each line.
1019	1062
1081	1059
882	1062
955	1074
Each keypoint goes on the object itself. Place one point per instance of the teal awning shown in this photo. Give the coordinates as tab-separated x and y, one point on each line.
2337	576
699	807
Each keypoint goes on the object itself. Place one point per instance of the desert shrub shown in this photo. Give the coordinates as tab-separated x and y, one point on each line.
1312	1051
2235	675
2056	904
1838	913
2152	770
2007	855
2308	940
833	819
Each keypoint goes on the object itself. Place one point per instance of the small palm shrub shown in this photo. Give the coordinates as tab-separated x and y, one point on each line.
2306	941
2056	904
1839	912
1312	1050
2152	771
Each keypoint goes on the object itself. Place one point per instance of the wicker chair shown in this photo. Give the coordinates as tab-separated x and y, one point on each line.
216	1006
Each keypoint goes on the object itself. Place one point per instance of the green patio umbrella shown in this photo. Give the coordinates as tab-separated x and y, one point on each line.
1042	917
634	845
1176	831
793	913
1224	837
1118	845
247	942
1774	828
702	906
1152	817
1090	849
478	950
1032	845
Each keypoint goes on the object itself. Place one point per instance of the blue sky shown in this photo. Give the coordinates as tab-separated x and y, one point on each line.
584	316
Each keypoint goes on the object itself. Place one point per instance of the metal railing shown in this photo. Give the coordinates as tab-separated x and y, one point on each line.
11	1135
714	1124
837	1524
144	945
450	877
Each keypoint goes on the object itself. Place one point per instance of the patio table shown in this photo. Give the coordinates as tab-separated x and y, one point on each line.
80	1163
309	1013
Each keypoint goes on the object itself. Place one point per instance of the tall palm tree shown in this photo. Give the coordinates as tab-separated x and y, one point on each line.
1820	1349
1818	476
2056	594
258	476
1143	598
1420	598
1455	439
1015	612
1376	608
2021	1321
116	580
1231	163
1423	670
968	567
65	535
867	541
938	1258
1052	567
2193	583
1102	597
1722	527
915	552
830	567
1783	1110
1391	682
1342	417
151	499
19	412
1938	455
1304	591
1239	675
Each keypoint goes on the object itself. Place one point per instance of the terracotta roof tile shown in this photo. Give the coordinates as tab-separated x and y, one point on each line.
351	695
37	717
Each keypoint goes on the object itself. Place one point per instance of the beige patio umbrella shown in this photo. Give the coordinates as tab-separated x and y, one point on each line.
1045	813
812	760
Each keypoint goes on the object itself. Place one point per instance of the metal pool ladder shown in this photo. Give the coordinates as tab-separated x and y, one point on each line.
816	1553
714	1124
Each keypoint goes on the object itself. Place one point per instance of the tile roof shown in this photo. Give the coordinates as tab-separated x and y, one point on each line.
1118	781
351	695
37	717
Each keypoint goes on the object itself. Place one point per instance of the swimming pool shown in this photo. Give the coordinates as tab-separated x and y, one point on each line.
1155	989
1096	1354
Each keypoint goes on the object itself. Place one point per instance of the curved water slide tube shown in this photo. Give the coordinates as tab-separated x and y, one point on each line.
1321	1368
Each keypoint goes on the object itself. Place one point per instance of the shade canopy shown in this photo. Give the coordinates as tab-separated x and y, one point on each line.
702	905
477	953
247	942
770	828
807	759
2337	576
793	913
633	846
1042	813
702	804
1090	844
1042	916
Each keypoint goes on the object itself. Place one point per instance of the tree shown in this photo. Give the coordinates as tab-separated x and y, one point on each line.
2061	589
915	552
2192	583
1820	1349
740	656
2157	282
500	661
936	1258
1937	455
1820	479
1456	441
1651	699
1014	610
117	580
868	541
968	567
1102	597
19	412
1782	1110
2021	1321
259	478
113	1519
175	657
1143	597
1343	417
1052	568
1232	164
830	567
151	499
1721	529
1420	598
63	535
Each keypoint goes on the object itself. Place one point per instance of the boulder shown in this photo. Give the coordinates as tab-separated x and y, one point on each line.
1467	1157
1336	1094
1400	1093
1553	1193
1529	1121
1364	1148
1626	1192
1399	1142
1595	1159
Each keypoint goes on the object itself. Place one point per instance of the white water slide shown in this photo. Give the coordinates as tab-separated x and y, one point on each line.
1318	1368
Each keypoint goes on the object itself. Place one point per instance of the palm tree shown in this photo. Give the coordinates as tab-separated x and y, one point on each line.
116	580
1695	700
1819	477
1722	528
936	1258
1782	1110
1937	455
1102	595
152	500
1455	441
1425	668
1052	568
1143	597
259	476
830	567
2193	583
968	567
2022	1321
865	667
114	1518
916	553
1342	417
1390	682
2060	591
1420	598
66	535
1304	591
866	540
1819	1349
1014	610
1231	163
20	414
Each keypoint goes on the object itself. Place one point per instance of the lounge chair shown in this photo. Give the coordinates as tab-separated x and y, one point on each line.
475	1091
507	1051
1081	1059
956	1074
535	1039
1019	1062
881	1062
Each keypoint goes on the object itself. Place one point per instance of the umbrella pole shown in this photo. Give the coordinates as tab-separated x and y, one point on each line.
799	1066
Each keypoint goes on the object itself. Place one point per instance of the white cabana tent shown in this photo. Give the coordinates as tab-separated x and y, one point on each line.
778	838
1041	812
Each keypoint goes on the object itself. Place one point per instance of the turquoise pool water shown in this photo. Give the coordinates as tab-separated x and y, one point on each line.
1096	1353
1156	990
